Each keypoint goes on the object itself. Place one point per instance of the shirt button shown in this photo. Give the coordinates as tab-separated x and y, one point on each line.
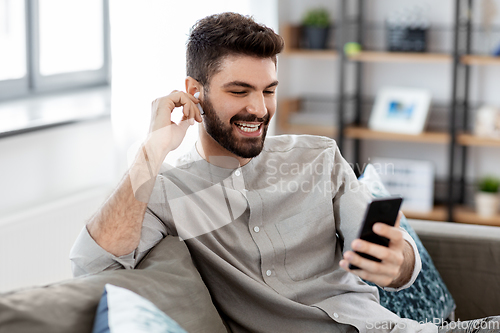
256	229
237	173
336	315
268	272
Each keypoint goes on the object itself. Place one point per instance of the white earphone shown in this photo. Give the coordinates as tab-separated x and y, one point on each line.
197	94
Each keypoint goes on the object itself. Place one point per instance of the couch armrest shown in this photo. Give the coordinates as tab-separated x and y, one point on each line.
167	277
468	259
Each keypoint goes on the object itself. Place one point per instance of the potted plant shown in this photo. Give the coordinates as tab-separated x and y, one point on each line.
487	196
315	27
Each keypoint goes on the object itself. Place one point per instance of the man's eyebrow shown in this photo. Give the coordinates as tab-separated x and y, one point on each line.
246	85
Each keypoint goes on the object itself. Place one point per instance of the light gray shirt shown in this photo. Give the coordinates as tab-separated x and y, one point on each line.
267	238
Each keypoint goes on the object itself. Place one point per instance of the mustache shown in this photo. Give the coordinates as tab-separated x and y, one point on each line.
251	118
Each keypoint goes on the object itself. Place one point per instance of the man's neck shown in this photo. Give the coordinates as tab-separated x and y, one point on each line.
208	148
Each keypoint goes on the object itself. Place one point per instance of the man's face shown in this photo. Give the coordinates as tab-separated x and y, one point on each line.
240	103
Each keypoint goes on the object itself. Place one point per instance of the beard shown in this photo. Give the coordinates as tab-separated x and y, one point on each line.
225	134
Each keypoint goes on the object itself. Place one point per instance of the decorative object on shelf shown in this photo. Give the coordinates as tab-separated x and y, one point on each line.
487	196
407	30
315	28
400	110
487	122
411	179
351	48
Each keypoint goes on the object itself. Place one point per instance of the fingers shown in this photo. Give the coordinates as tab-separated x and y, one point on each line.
398	219
382	273
163	107
188	103
394	234
370	270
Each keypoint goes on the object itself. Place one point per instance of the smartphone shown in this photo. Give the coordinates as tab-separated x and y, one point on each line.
379	210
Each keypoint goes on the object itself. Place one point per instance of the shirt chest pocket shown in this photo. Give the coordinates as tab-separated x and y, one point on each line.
309	241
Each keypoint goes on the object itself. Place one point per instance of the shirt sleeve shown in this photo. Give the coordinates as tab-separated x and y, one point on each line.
350	201
89	257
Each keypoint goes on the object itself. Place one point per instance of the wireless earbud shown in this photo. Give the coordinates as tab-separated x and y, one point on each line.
198	105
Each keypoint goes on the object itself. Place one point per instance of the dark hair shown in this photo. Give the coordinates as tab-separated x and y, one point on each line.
215	37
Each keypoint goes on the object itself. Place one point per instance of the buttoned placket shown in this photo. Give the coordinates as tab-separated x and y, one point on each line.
258	233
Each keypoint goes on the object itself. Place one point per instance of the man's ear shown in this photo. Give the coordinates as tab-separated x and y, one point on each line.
192	86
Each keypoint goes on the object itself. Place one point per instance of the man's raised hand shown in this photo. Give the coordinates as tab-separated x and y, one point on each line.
164	134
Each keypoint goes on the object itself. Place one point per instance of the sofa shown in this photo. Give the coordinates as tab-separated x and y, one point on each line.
466	256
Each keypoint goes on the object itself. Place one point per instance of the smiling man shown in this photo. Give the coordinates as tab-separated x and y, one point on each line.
274	258
245	89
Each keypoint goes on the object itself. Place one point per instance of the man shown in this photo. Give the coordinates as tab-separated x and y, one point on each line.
266	221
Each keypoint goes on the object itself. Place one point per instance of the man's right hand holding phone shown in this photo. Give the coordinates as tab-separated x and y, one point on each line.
397	260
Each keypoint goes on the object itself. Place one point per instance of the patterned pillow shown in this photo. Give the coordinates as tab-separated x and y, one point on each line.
427	299
123	311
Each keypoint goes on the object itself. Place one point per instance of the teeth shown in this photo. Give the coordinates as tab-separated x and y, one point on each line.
248	127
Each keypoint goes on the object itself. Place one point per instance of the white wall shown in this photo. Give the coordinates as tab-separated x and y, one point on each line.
41	166
52	181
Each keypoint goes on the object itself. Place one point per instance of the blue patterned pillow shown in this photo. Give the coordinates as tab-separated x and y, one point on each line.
428	298
123	311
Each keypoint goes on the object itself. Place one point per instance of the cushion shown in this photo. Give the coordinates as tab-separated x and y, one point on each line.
427	299
123	311
166	277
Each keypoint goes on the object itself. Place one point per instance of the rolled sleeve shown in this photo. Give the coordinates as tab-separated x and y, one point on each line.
88	257
416	268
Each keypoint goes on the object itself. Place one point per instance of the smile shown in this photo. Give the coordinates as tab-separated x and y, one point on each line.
247	127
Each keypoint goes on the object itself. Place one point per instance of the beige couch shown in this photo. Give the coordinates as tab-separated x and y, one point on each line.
467	256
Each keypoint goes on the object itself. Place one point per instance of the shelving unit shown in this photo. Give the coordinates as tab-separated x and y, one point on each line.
363	133
291	106
480	60
456	138
371	56
439	213
478	141
312	54
468	215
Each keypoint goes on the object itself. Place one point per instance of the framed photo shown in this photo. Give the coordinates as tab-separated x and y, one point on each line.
400	110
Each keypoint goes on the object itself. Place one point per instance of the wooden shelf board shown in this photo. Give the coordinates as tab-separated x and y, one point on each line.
366	133
371	56
481	60
461	215
314	54
439	213
328	131
474	140
468	215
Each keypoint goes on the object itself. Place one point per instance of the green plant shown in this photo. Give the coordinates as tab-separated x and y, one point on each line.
489	184
318	17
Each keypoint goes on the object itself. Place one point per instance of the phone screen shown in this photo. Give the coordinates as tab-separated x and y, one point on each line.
379	210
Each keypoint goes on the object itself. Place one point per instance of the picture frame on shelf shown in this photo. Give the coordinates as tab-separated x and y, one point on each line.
400	110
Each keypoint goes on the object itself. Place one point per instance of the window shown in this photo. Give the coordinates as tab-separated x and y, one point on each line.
52	45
